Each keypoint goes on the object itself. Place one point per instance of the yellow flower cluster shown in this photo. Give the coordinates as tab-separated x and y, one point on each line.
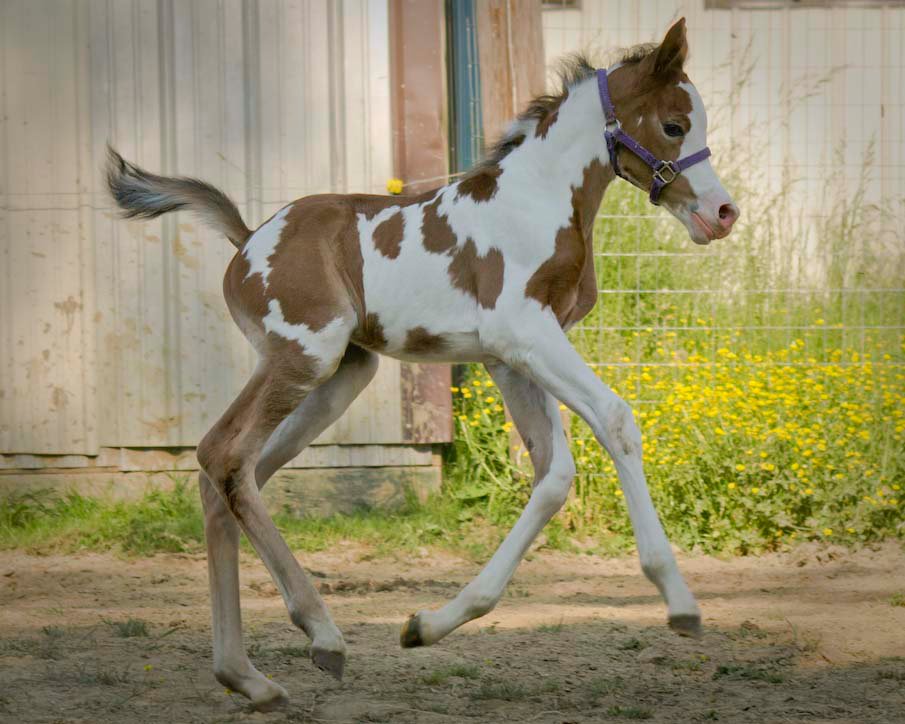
743	450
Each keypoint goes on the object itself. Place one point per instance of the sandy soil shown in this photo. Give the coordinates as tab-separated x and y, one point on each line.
810	636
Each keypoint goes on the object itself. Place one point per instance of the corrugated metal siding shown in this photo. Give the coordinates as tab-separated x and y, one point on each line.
114	333
826	82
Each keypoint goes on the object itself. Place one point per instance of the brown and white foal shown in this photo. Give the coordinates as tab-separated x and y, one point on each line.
493	268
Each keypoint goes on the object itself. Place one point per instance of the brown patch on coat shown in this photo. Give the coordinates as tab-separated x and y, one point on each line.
479	276
436	233
370	333
480	185
388	236
419	341
304	275
244	294
566	281
551	116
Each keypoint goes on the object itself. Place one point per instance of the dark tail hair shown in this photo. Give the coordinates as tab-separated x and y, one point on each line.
144	195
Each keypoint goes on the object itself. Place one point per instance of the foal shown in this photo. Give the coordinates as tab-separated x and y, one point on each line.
493	268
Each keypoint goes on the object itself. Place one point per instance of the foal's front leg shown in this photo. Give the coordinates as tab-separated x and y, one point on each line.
536	415
549	359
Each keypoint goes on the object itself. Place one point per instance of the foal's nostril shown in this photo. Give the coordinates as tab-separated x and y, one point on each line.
728	214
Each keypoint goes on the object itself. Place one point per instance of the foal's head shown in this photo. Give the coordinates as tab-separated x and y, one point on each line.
659	107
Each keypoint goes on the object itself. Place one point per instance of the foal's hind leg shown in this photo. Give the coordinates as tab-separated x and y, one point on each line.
319	410
536	415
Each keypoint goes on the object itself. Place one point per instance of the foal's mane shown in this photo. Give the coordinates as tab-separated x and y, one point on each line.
571	70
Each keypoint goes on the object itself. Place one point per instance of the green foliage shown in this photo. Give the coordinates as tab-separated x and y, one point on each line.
440	676
629	712
161	521
130	628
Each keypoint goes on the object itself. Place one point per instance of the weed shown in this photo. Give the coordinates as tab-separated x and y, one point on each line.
629	712
891	675
47	648
54	632
632	644
686	665
897	599
551	627
502	690
601	687
130	628
298	652
101	676
748	672
439	676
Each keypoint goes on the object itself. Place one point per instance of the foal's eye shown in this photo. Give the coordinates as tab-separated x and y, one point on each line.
673	129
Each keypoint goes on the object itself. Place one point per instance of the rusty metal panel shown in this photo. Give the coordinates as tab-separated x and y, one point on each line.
419	98
116	334
511	52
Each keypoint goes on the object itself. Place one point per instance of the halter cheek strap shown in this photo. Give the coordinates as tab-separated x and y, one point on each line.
664	171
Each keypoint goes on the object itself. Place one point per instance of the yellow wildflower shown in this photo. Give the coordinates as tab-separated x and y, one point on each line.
394	186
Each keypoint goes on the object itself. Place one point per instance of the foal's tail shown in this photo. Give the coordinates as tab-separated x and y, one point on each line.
144	195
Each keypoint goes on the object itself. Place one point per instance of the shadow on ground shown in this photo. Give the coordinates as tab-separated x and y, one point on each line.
587	672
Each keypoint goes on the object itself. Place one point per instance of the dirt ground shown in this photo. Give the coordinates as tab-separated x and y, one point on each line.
811	636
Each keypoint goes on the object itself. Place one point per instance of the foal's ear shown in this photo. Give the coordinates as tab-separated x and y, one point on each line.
672	51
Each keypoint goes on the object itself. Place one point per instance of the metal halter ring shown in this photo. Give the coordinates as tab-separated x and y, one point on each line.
669	166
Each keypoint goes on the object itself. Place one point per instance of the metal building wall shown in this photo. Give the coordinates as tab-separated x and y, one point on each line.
115	334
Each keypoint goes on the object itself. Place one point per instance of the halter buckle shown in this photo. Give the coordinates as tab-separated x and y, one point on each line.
671	172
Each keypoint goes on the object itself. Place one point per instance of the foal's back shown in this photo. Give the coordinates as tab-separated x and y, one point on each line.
388	271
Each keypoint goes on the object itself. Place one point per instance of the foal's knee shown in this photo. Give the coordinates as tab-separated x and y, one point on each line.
553	490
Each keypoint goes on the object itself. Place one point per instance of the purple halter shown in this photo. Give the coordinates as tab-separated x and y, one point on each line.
664	171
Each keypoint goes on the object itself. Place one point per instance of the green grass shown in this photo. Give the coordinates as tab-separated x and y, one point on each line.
501	690
440	676
130	628
630	712
161	521
748	672
171	521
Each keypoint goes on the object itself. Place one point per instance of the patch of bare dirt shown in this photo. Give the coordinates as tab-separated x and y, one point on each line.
811	636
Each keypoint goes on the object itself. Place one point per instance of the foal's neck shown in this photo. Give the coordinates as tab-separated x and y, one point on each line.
566	151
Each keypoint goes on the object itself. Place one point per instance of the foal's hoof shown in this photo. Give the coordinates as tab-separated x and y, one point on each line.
410	636
273	700
686	624
332	662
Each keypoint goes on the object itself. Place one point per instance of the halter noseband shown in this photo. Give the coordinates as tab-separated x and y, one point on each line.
664	171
